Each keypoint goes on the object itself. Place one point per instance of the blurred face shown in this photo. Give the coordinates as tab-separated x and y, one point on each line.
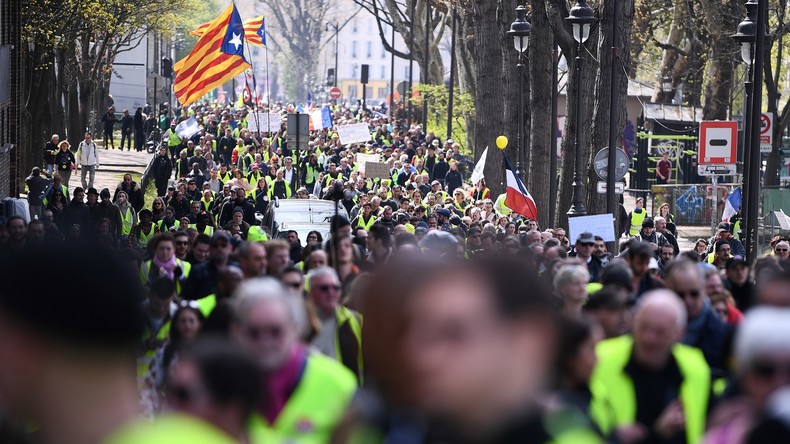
164	251
574	291
182	245
737	274
687	285
459	345
188	324
255	262
201	252
325	292
667	253
782	250
655	331
279	259
269	333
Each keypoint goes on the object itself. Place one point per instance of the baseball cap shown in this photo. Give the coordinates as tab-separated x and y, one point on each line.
736	260
585	238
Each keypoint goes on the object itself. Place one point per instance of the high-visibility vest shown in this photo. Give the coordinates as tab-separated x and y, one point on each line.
207	304
143	237
636	221
344	315
127	221
614	399
366	225
314	408
185	266
170	428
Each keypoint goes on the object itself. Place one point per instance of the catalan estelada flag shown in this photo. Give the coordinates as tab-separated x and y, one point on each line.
216	58
254	31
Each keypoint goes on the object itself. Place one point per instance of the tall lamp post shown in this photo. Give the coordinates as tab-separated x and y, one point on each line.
751	36
336	27
745	37
519	30
581	19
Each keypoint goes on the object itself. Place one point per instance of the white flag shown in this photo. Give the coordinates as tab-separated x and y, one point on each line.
188	128
477	173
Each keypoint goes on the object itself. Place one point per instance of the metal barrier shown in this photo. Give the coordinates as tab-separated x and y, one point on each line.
692	204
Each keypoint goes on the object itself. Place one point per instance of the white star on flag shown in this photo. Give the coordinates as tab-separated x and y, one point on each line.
236	40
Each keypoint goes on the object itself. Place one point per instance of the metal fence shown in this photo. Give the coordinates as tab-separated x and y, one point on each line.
692	204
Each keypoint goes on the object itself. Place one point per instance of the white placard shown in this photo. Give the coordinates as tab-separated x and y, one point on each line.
355	133
599	225
264	122
362	159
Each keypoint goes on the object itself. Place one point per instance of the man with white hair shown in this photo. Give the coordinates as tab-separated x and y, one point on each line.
648	386
340	337
306	393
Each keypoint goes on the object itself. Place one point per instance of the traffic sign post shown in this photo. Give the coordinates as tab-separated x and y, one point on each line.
766	132
335	93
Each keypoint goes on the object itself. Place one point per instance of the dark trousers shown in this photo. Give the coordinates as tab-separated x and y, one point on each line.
126	135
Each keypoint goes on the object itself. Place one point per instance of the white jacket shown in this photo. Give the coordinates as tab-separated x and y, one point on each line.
88	154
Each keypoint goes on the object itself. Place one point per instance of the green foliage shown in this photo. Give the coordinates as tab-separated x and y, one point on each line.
438	97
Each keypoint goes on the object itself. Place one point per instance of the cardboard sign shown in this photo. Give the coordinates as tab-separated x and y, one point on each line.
355	133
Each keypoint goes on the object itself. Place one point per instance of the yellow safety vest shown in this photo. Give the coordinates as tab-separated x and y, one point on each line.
343	315
314	408
366	225
636	221
185	266
207	304
127	221
613	397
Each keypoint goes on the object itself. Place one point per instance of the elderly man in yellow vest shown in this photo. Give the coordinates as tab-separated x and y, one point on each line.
341	329
306	392
648	385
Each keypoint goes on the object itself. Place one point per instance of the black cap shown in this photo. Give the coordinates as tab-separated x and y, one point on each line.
617	274
736	260
93	310
585	238
648	223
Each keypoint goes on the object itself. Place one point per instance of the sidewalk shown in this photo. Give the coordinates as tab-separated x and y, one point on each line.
113	165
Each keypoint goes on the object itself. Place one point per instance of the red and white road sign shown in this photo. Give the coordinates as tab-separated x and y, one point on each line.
766	132
335	93
718	140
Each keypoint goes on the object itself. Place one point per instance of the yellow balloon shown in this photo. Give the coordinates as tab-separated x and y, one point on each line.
501	142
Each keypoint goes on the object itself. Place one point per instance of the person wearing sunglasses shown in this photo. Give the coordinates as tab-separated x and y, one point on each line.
762	361
306	393
782	250
340	336
705	329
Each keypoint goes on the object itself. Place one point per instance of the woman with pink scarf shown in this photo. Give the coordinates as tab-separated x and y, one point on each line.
164	261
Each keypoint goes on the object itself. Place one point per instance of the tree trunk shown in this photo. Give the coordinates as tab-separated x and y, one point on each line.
486	48
542	142
596	203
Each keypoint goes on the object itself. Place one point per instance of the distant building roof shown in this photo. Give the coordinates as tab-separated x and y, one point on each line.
672	113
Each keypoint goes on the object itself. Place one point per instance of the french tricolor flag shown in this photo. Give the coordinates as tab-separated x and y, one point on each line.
517	198
732	204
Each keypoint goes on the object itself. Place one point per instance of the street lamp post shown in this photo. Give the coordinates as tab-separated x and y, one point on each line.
581	19
751	36
336	27
745	37
520	30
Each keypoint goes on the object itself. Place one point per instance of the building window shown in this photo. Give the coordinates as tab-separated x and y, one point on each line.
354	49
369	48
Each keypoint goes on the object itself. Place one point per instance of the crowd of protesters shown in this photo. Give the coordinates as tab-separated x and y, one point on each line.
433	313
